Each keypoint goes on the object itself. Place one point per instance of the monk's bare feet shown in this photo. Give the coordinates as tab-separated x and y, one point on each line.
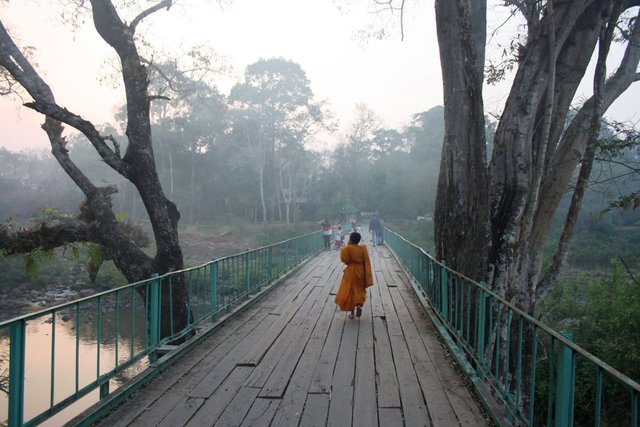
350	315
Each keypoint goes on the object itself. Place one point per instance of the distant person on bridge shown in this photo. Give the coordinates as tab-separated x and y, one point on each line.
326	234
357	277
374	229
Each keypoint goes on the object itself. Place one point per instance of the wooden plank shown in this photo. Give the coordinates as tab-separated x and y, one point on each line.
413	405
261	413
236	411
295	287
438	404
365	411
213	407
365	331
321	379
328	312
292	285
374	294
390	417
276	378
308	313
388	265
211	381
464	404
387	381
346	362
182	412
393	324
292	404
172	395
315	411
341	406
264	343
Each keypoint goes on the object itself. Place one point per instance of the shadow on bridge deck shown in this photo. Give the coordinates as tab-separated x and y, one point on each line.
293	359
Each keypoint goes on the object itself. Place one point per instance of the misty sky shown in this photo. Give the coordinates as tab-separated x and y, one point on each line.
395	78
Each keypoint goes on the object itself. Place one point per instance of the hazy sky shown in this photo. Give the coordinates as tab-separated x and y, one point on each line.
395	78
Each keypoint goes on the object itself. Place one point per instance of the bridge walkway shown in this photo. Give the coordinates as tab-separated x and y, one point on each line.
294	359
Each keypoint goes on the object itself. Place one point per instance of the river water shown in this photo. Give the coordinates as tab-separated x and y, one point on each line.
39	357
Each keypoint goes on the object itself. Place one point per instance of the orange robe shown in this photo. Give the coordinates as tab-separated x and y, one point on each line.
357	277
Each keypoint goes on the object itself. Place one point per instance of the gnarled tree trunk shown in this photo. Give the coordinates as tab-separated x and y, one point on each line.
137	165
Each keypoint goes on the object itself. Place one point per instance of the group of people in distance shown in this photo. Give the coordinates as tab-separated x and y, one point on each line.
357	275
336	232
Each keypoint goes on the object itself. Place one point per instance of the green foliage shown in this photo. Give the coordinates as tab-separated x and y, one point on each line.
603	314
597	239
34	258
419	233
94	253
47	214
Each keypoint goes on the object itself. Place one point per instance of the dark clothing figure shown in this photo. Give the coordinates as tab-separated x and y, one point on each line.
375	229
326	233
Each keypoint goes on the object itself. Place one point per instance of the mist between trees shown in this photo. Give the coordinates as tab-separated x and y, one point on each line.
246	157
216	178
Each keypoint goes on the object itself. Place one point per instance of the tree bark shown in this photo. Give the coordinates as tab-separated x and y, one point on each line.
535	154
461	214
137	165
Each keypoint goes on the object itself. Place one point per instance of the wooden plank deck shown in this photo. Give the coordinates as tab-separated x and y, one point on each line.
293	359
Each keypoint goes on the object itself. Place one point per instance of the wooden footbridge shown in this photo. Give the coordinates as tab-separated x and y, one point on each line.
266	346
293	359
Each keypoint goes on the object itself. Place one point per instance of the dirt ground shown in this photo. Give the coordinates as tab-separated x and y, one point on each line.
198	249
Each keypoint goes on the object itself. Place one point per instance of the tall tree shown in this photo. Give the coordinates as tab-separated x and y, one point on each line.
504	209
492	219
275	112
97	222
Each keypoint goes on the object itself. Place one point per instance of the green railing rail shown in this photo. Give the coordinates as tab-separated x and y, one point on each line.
527	367
122	327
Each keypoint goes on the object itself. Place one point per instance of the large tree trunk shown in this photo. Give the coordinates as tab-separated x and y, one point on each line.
535	154
461	214
137	165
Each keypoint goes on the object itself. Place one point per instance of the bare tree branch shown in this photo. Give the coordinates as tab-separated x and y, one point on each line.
163	4
116	144
154	97
597	110
631	275
63	115
19	67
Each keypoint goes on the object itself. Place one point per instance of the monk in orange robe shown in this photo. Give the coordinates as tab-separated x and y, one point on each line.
357	277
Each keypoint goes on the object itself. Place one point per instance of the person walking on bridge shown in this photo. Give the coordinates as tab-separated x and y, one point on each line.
374	229
357	277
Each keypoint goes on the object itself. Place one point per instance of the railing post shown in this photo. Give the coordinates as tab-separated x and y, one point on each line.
286	256
444	308
213	284
16	373
247	273
155	311
270	262
565	384
104	389
481	326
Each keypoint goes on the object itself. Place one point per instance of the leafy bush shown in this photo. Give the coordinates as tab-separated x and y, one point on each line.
420	233
603	314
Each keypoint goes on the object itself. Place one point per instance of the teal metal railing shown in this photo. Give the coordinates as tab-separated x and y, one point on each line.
57	356
530	368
